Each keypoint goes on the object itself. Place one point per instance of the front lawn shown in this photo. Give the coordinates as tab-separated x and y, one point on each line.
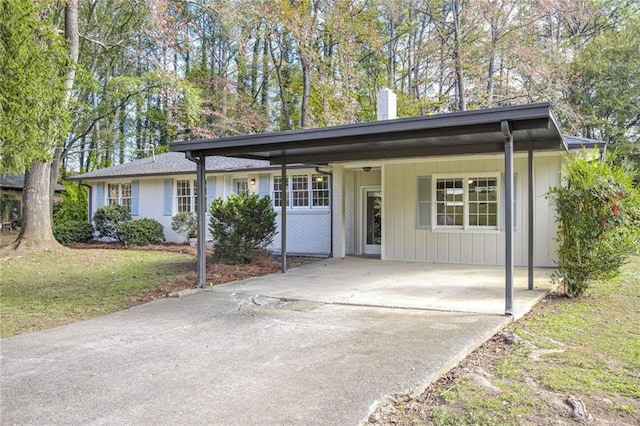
587	348
60	286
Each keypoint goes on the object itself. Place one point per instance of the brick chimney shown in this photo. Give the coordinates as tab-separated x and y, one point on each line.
386	107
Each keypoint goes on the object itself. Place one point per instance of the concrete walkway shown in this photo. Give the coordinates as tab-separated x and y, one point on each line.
318	345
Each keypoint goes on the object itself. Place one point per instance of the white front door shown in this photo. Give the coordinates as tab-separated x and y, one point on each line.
372	221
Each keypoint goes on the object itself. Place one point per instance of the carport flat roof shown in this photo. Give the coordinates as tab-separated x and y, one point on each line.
468	132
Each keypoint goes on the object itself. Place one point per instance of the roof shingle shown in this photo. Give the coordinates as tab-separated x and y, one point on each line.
172	163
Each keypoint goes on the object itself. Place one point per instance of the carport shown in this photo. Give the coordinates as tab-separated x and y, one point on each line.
524	128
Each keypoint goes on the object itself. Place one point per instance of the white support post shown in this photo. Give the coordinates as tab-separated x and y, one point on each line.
337	204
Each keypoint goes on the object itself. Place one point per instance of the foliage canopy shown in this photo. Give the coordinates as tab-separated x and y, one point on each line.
33	63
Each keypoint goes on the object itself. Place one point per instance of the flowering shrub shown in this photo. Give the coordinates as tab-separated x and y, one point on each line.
598	217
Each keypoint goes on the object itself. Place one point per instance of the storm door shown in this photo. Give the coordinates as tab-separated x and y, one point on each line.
372	221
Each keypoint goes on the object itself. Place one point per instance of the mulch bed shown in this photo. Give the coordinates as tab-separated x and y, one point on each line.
172	247
217	273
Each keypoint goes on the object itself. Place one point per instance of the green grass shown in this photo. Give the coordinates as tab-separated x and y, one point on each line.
60	286
600	336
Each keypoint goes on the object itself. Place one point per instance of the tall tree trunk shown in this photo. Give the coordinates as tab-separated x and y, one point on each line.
277	64
492	64
306	90
73	37
457	56
36	233
41	177
264	96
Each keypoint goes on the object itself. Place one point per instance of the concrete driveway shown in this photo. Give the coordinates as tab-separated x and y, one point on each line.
318	345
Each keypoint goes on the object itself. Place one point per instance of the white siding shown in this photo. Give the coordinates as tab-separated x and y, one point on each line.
362	179
308	232
547	175
350	212
404	241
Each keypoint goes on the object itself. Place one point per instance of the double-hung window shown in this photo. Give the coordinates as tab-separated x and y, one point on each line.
305	190
464	201
320	190
482	201
119	194
277	191
300	191
186	197
450	202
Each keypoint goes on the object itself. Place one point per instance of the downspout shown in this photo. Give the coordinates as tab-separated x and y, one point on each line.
330	207
201	212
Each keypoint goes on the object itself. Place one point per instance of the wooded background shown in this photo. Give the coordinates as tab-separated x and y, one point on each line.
150	72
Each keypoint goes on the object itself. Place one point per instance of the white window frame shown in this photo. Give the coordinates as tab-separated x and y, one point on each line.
465	200
311	190
299	196
274	191
193	196
120	199
320	185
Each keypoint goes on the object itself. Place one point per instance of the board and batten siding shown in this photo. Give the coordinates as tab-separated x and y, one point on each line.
403	240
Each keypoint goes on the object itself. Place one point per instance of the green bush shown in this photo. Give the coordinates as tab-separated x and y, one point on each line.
598	217
107	219
186	224
140	232
241	226
73	231
74	204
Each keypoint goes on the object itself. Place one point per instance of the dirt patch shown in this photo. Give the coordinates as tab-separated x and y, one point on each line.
449	400
216	274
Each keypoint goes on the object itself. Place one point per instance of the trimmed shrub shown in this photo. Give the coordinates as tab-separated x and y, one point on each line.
598	216
107	219
140	232
73	231
185	224
241	226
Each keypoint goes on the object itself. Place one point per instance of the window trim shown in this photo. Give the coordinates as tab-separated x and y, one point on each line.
465	227
314	182
119	199
310	191
193	196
